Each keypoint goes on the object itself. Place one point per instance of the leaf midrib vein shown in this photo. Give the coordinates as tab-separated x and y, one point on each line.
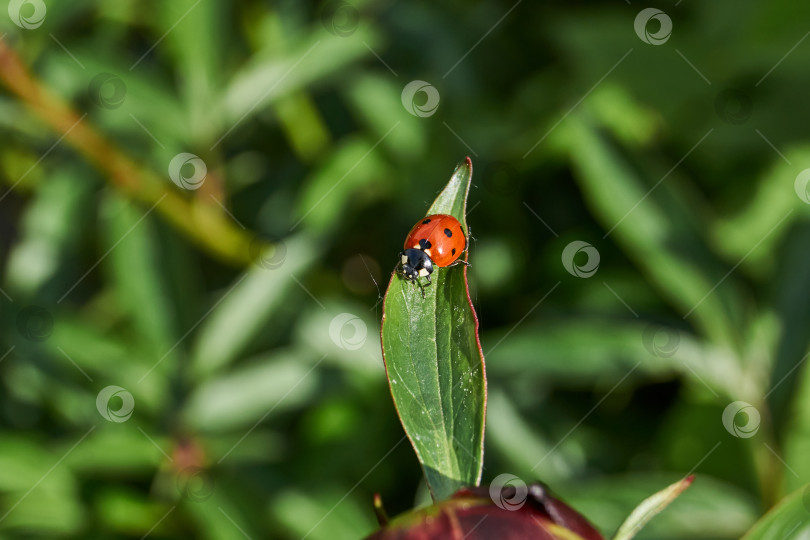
413	365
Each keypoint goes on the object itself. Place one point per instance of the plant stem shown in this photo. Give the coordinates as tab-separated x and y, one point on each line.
202	221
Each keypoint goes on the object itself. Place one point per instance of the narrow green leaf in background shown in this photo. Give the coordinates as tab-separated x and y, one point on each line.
247	306
650	507
787	521
434	362
653	233
710	508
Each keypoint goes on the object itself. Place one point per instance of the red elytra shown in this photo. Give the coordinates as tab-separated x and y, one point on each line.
440	236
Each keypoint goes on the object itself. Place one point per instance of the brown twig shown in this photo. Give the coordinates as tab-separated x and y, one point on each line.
206	224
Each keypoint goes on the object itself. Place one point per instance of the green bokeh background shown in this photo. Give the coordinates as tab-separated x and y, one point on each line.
677	162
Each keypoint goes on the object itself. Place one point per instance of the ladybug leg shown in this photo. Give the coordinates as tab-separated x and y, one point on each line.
421	287
458	262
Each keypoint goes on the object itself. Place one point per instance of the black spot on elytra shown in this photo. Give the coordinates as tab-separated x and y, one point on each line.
424	244
448	233
426	222
453	252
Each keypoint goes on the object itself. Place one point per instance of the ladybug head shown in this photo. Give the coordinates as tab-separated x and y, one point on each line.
415	264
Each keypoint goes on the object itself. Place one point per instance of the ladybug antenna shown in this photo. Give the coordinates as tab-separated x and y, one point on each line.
379	296
370	274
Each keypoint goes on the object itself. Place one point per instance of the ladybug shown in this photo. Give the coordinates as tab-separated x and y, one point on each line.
437	240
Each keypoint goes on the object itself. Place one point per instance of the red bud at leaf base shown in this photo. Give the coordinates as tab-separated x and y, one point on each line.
471	514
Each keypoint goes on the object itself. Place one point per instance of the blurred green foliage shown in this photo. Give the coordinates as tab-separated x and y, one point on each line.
254	415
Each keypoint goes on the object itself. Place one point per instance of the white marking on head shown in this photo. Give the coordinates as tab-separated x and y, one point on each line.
404	259
423	272
429	254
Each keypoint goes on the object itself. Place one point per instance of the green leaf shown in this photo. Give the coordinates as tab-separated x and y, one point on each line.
274	382
334	188
769	203
711	508
555	351
797	433
790	378
377	101
215	517
243	310
517	442
787	520
124	510
35	495
659	226
434	362
199	61
136	271
650	507
269	76
113	453
46	251
315	516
